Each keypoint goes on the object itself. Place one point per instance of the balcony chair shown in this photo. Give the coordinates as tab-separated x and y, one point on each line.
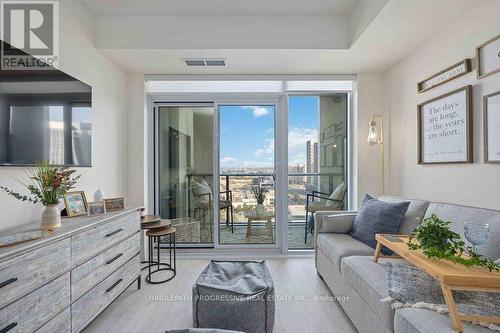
331	202
202	192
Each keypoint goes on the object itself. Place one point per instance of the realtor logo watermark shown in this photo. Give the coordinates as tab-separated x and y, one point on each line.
30	27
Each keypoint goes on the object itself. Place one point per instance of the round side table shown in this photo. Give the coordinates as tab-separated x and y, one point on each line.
151	222
154	235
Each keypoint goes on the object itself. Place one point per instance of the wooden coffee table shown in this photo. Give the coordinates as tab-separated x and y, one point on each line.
451	276
253	215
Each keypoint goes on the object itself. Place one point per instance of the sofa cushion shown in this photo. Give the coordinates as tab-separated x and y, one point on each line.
412	320
458	214
368	279
337	223
337	246
377	216
414	215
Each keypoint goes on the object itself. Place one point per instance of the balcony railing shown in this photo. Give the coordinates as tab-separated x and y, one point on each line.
299	184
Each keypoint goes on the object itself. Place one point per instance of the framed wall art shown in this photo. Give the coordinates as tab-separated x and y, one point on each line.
491	107
445	128
488	57
448	74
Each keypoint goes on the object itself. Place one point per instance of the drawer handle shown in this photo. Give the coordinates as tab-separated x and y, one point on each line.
114	232
8	327
114	258
114	285
7	282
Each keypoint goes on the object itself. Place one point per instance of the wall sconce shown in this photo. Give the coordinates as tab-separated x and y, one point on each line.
374	138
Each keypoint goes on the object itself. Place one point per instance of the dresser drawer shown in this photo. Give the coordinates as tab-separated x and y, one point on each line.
25	273
91	272
32	311
94	301
59	324
87	244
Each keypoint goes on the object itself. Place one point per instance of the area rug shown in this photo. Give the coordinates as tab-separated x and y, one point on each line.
408	286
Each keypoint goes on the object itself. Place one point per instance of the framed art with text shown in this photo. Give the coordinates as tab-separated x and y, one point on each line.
488	57
448	74
492	128
445	128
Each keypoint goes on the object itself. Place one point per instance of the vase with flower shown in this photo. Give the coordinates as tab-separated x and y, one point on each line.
47	186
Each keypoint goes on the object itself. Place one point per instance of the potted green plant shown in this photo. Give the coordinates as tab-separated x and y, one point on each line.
48	185
436	240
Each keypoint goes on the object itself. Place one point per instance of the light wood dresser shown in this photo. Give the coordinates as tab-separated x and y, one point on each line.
61	282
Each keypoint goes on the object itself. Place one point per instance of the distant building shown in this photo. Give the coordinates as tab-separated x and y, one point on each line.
312	160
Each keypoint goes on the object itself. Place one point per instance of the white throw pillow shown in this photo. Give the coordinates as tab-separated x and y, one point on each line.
337	196
202	191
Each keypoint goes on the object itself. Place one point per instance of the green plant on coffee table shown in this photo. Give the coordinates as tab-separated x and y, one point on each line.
48	184
436	240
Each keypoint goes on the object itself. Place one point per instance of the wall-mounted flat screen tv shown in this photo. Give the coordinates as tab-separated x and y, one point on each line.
44	115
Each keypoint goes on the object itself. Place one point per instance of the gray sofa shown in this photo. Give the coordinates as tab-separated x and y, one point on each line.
346	266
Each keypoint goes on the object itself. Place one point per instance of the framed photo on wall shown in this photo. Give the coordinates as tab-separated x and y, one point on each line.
445	128
488	57
491	107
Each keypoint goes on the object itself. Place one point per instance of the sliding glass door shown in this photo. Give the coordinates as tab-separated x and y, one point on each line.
247	191
184	170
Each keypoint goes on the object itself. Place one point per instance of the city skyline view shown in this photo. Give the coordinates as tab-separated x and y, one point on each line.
247	133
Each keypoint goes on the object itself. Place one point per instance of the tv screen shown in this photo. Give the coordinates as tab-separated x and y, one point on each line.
44	115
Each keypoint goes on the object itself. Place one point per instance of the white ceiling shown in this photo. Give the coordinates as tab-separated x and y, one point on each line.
220	7
384	34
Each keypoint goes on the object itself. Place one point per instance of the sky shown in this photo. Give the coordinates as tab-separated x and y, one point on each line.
247	133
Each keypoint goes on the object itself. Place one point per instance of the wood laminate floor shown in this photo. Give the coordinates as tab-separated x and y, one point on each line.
156	308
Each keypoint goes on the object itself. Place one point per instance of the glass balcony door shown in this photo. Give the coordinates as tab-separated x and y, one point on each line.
184	170
247	173
317	162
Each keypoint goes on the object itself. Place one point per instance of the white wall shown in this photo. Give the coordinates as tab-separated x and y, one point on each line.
367	158
476	184
79	58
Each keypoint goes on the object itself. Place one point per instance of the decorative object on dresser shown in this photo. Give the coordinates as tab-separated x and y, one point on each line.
114	204
76	203
61	282
98	195
445	128
96	208
491	107
48	184
461	68
488	57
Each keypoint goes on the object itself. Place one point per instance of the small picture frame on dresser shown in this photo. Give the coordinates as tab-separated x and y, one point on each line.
491	108
114	204
96	208
76	203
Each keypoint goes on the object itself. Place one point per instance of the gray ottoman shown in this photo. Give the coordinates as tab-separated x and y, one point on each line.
200	330
234	295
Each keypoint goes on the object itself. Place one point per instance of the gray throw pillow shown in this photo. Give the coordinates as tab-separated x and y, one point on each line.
376	217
